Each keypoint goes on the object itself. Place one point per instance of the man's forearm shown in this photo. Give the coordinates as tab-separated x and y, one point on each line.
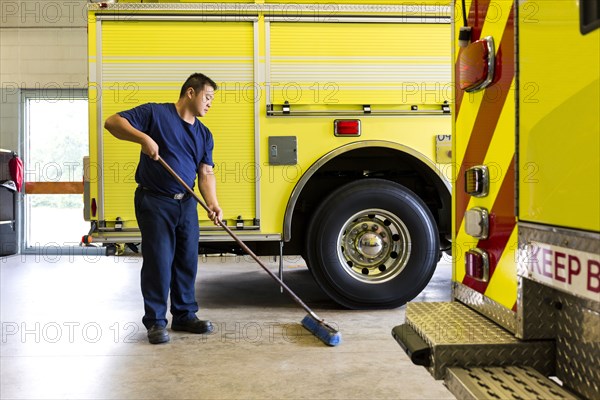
207	184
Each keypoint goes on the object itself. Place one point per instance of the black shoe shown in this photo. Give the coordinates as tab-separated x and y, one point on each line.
158	334
193	325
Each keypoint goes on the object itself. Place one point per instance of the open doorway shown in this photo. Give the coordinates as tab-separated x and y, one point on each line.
55	139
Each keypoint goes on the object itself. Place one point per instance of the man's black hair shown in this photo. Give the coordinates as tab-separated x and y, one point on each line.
197	81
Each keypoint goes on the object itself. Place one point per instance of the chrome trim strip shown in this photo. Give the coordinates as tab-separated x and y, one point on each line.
204	238
345	19
268	98
316	11
202	229
86	189
287	219
556	235
195	18
256	124
99	127
302	113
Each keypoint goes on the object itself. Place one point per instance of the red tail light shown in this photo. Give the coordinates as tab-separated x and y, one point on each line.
346	127
477	265
94	207
476	65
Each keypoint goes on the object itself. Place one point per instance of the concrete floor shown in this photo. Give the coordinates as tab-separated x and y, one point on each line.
71	328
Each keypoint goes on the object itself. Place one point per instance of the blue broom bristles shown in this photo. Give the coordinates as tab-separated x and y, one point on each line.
325	333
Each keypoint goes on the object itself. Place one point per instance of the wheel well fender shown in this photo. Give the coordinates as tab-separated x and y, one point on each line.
406	161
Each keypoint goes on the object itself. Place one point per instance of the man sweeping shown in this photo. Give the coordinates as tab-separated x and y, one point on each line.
166	214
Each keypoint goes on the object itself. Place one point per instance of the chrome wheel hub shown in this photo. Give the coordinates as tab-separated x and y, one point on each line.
373	246
370	245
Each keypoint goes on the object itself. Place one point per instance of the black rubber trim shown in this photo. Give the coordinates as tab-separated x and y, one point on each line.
412	344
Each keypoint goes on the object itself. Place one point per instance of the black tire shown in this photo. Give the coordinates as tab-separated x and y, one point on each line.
372	244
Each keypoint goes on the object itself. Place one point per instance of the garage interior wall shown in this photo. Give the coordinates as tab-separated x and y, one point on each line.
43	46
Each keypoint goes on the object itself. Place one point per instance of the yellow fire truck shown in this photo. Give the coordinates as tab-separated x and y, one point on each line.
526	207
332	129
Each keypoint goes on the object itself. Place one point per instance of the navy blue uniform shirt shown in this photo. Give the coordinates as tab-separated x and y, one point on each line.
183	146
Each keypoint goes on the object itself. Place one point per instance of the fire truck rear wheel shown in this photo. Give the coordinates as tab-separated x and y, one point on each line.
372	244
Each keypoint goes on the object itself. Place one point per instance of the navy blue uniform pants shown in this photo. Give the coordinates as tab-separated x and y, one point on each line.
169	229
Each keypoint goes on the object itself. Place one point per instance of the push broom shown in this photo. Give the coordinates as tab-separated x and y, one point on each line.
315	325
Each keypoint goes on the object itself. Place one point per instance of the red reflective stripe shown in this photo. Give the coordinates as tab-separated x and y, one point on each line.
488	115
475	20
502	223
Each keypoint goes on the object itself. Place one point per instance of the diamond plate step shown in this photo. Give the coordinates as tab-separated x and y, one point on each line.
459	336
495	383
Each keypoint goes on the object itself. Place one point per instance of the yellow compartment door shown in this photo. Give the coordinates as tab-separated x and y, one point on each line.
148	61
358	63
559	127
